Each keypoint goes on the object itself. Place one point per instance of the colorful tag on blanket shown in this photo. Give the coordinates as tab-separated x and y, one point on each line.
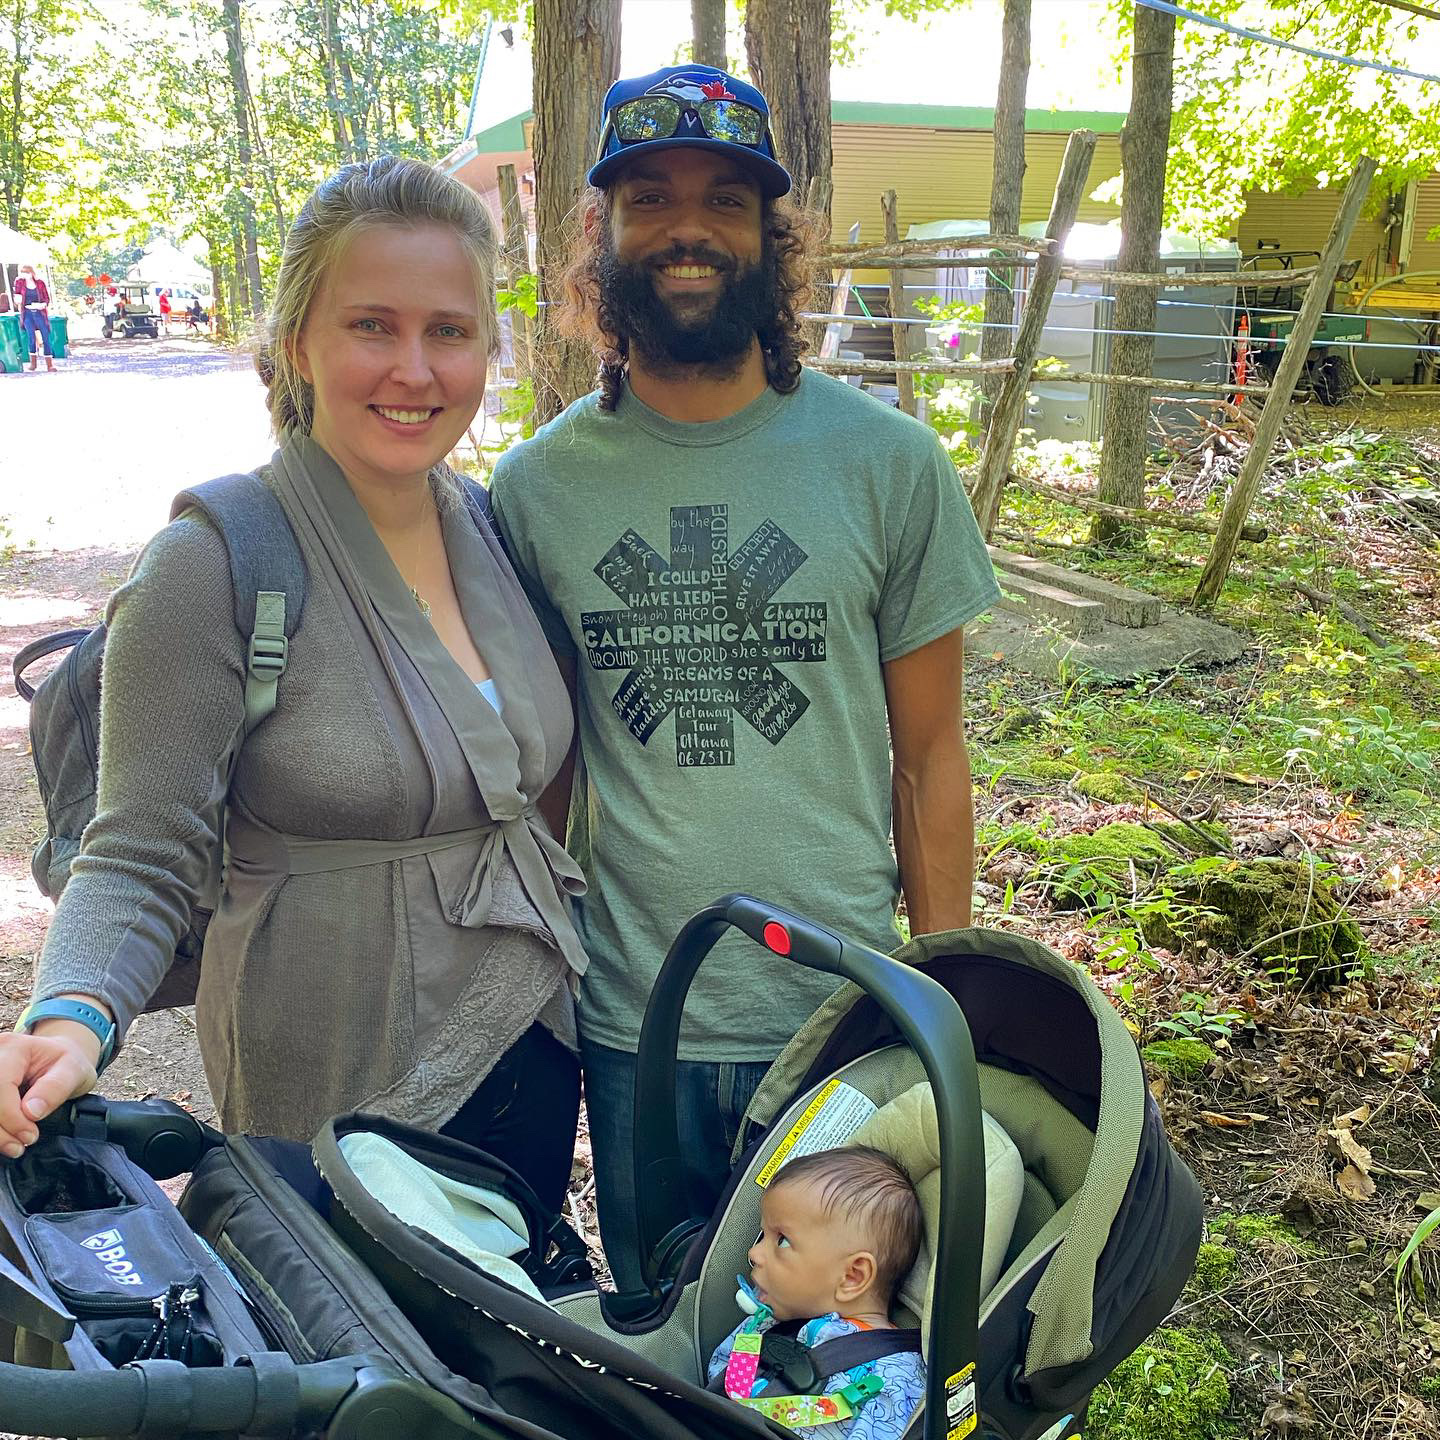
798	1412
743	1365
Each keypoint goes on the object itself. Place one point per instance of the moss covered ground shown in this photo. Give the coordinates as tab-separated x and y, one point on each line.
1248	861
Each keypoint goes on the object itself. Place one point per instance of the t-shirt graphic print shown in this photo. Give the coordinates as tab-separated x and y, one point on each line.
730	676
702	634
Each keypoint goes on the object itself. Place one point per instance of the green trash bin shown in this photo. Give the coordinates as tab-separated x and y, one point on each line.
59	335
10	352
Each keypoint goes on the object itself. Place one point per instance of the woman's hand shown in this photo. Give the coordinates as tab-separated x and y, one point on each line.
40	1072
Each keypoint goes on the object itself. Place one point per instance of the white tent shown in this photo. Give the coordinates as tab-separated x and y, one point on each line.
164	264
18	249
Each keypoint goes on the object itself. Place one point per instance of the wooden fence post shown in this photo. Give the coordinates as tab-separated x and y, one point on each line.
1010	406
515	255
1282	387
904	381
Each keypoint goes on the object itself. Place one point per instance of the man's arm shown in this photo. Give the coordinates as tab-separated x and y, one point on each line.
930	784
554	804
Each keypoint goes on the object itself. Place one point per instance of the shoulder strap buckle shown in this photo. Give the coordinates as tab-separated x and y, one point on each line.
268	656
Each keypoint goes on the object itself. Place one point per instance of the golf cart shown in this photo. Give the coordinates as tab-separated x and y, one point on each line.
129	313
1269	308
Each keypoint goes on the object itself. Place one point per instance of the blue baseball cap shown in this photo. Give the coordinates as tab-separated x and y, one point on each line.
709	110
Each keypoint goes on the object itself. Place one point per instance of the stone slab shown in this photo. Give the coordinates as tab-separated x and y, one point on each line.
1053	607
1177	641
1123	606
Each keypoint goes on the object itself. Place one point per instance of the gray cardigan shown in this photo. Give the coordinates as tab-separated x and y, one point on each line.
395	912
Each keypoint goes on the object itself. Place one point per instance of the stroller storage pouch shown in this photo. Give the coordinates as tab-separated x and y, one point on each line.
94	1247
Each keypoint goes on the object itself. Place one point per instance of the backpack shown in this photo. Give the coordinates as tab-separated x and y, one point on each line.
270	582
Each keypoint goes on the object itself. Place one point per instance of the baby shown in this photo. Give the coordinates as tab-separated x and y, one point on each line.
841	1229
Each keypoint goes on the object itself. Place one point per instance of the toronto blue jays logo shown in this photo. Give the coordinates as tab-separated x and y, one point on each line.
702	634
692	89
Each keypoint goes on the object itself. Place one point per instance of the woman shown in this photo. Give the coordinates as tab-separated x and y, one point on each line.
394	933
32	300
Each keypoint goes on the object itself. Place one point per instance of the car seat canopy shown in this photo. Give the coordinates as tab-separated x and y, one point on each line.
1096	1162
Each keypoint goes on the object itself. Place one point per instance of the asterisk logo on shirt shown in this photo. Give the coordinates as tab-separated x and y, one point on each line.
702	634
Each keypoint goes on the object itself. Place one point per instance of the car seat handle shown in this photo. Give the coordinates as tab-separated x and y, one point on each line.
935	1028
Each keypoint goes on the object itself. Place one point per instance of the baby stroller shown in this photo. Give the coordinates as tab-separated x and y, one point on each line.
1080	1218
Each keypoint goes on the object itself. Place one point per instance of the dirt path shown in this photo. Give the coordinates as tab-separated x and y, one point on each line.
108	440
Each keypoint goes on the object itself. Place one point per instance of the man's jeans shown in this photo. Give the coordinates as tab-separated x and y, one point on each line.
710	1101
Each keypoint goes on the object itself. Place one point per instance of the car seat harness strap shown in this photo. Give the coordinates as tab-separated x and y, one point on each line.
792	1373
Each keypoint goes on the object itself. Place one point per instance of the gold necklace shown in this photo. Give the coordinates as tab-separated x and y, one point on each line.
415	568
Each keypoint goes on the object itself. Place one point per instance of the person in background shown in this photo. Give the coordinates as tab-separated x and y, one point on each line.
32	301
164	306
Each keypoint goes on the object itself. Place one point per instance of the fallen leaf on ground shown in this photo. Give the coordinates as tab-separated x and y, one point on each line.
1352	1118
1211	1117
1290	1412
1354	1184
1342	1144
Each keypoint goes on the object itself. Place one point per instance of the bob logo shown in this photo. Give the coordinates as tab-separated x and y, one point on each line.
109	1248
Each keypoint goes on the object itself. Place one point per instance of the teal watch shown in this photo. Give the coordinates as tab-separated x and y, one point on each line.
77	1010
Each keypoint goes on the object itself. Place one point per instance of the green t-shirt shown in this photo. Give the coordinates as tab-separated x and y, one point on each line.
729	592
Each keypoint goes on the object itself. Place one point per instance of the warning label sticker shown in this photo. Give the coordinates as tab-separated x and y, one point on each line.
830	1119
960	1416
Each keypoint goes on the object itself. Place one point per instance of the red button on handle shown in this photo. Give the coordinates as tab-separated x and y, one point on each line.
777	937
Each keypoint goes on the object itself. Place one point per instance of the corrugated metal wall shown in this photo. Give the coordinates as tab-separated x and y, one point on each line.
1425	254
945	175
1302	222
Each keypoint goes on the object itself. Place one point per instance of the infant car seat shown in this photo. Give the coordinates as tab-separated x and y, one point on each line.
1089	1242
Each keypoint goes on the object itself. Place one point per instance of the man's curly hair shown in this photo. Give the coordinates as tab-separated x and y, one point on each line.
792	240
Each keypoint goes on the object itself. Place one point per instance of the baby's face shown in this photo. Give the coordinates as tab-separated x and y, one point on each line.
798	1263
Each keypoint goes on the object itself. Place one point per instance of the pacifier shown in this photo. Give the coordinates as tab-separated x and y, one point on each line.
745	1296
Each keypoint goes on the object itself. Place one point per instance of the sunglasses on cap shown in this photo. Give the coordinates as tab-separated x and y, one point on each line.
658	117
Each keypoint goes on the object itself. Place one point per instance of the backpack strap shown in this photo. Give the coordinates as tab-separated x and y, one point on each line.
37	650
267	571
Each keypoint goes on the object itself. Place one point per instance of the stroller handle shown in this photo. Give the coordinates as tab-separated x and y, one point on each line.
934	1026
162	1138
351	1398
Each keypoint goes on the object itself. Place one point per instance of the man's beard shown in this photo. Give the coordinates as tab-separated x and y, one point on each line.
710	334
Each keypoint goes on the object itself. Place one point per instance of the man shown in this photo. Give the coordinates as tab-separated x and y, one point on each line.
749	568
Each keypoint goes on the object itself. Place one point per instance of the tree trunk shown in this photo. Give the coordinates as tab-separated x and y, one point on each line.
788	45
343	153
245	159
219	315
339	63
1010	407
707	23
1144	147
13	169
1007	178
1282	387
515	257
272	183
577	58
899	311
234	273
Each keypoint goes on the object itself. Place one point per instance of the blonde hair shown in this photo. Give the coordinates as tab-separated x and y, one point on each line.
384	191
